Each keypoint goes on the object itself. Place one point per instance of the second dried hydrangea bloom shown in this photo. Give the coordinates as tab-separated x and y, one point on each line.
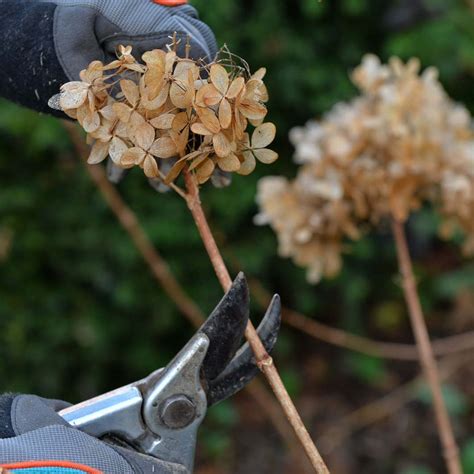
401	143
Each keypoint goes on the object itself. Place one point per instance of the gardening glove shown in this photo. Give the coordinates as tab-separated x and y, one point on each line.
46	43
33	438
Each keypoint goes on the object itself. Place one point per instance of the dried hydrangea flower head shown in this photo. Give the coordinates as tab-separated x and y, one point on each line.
168	113
401	143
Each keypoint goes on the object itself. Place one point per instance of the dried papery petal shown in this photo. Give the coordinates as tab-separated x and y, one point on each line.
117	148
220	78
133	156
263	135
265	155
73	95
164	148
150	167
204	171
208	96
163	122
235	88
122	111
130	91
248	163
221	144
144	136
229	163
209	119
99	153
198	160
175	171
225	114
199	129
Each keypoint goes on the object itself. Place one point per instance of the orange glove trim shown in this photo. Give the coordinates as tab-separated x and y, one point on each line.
171	3
43	464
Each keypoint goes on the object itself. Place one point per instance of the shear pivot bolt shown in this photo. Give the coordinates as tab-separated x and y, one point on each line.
177	412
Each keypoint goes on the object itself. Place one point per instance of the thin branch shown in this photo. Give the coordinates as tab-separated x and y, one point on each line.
264	361
338	337
385	406
427	359
163	275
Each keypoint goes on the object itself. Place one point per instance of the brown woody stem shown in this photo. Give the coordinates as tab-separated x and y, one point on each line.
427	360
264	361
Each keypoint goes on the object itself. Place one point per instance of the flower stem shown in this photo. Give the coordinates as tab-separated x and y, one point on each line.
264	361
425	350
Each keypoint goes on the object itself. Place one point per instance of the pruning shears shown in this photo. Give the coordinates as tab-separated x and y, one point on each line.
160	415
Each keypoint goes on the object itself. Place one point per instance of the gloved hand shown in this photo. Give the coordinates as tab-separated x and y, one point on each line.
33	435
48	42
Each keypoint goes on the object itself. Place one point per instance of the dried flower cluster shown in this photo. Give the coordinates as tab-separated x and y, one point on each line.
401	143
172	110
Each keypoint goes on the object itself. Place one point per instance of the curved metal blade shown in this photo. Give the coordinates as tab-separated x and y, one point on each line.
225	328
242	369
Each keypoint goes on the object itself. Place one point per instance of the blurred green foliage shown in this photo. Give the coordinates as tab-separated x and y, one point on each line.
79	311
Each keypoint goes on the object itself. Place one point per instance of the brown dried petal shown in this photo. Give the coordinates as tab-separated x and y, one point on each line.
122	111
248	164
220	78
265	155
150	167
130	91
91	122
198	160
164	148
108	112
174	171
133	156
199	129
117	148
204	171
163	122
225	114
263	135
154	57
208	96
145	136
229	163
221	144
209	119
235	88
180	122
73	95
99	152
252	110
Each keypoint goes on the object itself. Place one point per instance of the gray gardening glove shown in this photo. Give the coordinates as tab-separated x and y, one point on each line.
46	43
32	432
85	30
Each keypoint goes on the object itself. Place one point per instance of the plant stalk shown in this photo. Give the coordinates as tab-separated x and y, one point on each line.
264	361
425	349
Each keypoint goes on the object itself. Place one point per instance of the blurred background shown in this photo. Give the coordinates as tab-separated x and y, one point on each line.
80	313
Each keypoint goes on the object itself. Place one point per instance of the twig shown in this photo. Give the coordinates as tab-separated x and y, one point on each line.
427	360
162	273
338	337
264	361
385	406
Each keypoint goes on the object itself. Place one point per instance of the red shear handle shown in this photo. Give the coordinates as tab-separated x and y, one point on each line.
170	3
